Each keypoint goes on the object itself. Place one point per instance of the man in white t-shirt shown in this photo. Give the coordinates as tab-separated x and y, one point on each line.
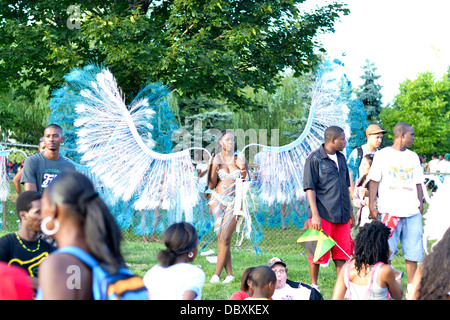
397	177
444	167
432	166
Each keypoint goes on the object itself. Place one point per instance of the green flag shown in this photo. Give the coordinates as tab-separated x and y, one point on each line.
316	243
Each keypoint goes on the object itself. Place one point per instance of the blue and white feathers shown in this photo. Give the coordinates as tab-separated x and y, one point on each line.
281	168
117	145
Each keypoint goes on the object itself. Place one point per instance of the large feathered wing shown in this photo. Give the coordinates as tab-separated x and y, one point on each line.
281	168
116	144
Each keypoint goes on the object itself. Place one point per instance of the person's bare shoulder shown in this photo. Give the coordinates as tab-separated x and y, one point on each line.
60	274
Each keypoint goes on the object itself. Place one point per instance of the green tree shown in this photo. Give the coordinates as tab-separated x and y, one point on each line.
278	120
23	118
370	92
210	48
285	110
423	103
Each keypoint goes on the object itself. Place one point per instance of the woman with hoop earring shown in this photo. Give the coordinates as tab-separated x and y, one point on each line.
74	215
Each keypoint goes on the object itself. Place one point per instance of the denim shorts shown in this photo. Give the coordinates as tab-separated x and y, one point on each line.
409	231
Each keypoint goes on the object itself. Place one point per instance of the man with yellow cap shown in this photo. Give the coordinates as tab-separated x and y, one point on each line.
374	134
359	163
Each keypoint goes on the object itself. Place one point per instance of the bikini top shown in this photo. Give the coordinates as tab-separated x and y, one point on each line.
223	175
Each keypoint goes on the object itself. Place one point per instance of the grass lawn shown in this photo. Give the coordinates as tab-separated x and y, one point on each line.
142	256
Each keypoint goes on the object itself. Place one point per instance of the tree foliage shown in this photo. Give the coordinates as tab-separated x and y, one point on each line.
370	92
23	118
200	47
423	103
279	119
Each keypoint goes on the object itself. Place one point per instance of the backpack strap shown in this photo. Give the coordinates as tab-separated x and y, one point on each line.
360	152
360	156
80	254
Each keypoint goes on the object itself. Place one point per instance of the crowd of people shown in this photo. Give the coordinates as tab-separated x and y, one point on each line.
60	208
439	164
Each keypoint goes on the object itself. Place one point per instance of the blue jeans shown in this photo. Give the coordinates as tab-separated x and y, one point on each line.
409	231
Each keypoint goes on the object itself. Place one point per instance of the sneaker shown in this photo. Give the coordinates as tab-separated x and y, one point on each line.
215	279
228	279
315	286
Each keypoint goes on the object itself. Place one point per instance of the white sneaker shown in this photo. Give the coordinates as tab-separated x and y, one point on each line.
228	279
315	286
215	279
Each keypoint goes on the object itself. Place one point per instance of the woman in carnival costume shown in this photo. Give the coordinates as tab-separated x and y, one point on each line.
225	172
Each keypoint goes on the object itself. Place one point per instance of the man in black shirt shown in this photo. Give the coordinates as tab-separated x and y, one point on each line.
326	182
25	248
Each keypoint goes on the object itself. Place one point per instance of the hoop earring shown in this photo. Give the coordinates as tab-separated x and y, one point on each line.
46	230
190	255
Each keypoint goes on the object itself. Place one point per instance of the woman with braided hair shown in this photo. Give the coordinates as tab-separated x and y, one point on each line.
174	278
369	276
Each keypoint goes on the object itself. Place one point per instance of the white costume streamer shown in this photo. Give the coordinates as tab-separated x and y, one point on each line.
4	185
241	209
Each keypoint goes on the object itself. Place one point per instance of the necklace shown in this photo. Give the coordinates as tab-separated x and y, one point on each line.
25	247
